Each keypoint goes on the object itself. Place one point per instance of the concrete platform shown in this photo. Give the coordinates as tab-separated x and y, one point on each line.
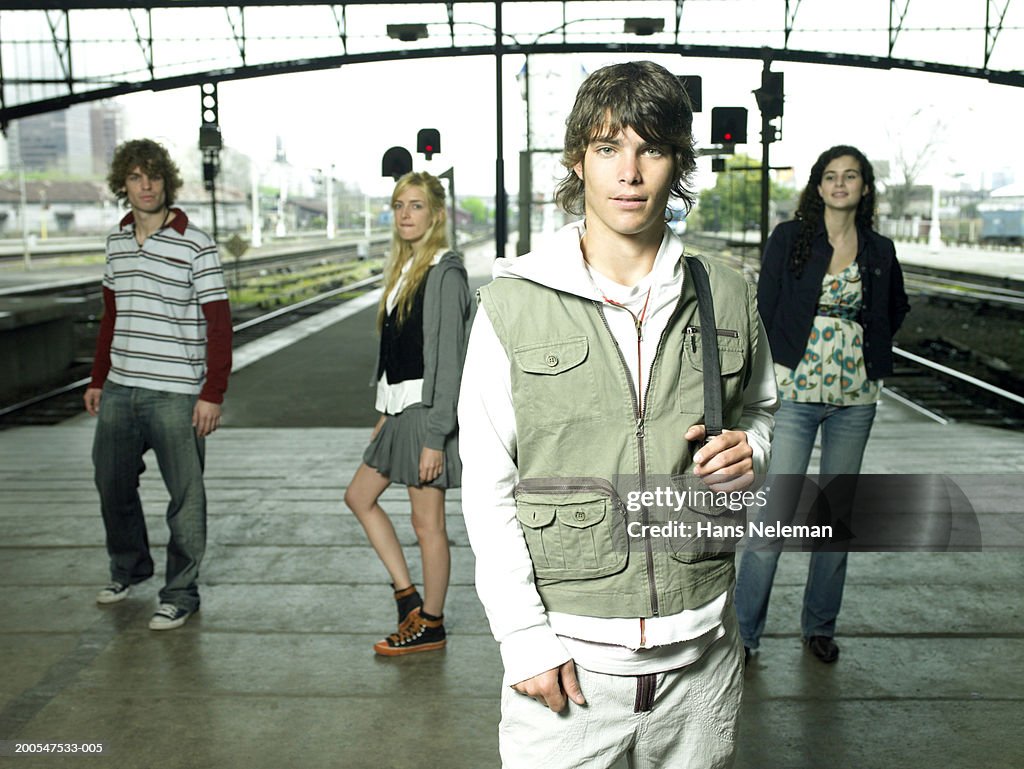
993	262
277	670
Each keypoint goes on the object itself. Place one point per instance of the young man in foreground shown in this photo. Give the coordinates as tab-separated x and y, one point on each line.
583	388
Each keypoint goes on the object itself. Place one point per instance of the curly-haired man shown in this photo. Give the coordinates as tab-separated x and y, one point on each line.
163	356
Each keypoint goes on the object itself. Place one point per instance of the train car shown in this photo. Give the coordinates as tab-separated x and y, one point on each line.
1002	216
1002	226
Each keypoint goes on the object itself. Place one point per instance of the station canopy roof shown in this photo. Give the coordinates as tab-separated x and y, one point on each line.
54	53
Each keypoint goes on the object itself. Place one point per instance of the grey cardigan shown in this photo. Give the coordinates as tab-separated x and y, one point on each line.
447	314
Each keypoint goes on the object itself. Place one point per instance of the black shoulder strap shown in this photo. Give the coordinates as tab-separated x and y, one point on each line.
709	349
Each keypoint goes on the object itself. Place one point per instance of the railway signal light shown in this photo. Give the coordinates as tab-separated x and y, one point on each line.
428	141
210	140
729	125
769	96
209	127
396	163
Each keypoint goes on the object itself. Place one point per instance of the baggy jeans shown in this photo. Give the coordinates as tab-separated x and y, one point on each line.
844	434
132	420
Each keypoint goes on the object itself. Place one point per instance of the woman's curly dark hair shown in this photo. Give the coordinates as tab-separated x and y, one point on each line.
810	212
154	160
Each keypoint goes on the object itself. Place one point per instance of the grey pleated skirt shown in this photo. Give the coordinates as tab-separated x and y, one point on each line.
395	452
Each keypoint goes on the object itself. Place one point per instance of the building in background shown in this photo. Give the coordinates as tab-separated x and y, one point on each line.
78	141
107	124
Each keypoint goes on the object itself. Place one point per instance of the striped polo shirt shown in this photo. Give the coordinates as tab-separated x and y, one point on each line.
160	332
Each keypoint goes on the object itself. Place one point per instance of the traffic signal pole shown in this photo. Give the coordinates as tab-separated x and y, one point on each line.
766	130
210	143
770	100
452	229
500	208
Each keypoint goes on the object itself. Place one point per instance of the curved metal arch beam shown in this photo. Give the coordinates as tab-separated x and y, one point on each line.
992	30
1000	77
897	27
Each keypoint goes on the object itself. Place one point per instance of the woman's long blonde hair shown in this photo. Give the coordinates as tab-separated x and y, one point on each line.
434	240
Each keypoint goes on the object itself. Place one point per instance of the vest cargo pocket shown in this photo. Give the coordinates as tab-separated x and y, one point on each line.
570	535
713	524
534	519
552	382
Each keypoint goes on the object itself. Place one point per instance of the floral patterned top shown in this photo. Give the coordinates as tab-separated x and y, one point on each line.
832	369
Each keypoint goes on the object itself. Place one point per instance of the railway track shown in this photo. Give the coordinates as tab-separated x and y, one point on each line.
947	394
65	401
944	380
64	248
998	292
283	259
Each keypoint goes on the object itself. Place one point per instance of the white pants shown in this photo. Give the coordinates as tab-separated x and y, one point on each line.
690	723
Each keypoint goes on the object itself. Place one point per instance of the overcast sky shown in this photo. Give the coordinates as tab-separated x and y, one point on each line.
349	116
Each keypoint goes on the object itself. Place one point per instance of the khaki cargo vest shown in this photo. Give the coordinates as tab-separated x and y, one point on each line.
585	452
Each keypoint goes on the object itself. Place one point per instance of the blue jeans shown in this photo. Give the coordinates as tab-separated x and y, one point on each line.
132	420
844	433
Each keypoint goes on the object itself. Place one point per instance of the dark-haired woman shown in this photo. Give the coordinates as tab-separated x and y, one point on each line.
423	319
831	297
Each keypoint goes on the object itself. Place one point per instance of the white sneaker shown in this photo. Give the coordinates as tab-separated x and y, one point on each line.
168	617
113	593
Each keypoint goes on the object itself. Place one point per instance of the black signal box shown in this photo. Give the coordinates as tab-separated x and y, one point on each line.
428	142
396	163
729	125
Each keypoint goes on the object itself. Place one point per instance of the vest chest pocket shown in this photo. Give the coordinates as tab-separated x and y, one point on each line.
570	537
732	356
553	382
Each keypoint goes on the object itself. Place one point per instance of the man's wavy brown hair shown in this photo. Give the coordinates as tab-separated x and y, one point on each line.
640	95
149	156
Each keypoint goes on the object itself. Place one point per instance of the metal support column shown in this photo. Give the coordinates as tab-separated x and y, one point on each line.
500	207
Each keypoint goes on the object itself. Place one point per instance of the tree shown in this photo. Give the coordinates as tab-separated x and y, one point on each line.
734	203
916	143
476	208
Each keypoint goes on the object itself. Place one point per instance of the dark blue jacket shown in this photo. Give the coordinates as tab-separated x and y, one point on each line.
788	303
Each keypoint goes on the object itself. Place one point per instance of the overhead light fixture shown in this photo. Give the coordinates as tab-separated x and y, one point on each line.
407	33
643	27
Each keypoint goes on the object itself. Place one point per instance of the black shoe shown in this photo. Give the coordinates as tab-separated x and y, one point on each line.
747	654
823	647
417	634
113	593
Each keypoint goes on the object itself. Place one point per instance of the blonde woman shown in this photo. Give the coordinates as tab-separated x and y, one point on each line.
423	320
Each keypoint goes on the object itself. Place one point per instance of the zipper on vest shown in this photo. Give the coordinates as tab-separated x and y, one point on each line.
639	414
556	485
692	331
